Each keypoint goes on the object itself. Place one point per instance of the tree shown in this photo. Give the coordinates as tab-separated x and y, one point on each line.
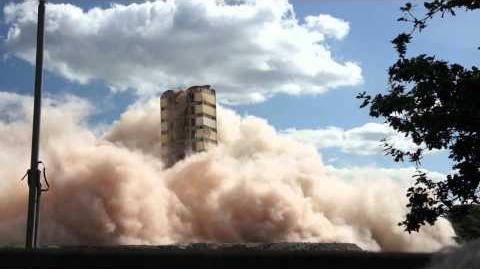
465	220
437	104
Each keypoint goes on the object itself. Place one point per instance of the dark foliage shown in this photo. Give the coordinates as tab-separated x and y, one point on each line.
466	222
437	104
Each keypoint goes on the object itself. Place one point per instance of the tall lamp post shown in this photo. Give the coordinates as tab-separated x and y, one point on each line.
34	173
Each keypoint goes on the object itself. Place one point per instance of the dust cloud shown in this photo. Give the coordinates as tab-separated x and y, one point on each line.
466	256
109	185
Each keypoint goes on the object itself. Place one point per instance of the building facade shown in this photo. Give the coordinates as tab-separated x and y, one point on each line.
188	122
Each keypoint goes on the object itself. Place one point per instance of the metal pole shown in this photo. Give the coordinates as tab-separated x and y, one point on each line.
34	173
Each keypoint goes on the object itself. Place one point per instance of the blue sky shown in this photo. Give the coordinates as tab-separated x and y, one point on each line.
372	24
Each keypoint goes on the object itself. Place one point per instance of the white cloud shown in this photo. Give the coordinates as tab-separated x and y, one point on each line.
362	140
328	25
248	50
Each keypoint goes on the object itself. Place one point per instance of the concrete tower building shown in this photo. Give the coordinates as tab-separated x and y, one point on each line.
188	122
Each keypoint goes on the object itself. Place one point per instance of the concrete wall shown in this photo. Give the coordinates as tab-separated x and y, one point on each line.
188	122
